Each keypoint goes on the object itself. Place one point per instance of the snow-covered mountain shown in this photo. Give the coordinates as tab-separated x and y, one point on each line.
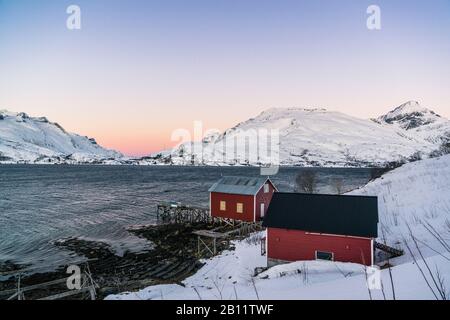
26	139
420	122
289	136
317	137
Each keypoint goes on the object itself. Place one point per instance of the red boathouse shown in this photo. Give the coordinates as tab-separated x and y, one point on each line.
241	198
321	227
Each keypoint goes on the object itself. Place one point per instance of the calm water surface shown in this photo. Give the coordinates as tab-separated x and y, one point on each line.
41	204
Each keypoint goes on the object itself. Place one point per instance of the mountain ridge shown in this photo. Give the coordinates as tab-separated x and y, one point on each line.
321	137
25	139
307	137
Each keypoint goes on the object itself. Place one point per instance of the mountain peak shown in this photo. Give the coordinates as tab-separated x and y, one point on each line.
410	115
411	106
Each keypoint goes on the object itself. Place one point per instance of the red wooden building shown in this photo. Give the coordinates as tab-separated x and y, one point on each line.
321	227
241	198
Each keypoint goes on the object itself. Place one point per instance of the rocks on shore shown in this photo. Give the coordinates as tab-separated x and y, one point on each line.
172	259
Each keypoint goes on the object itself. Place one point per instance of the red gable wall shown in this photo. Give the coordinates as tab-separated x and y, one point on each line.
250	202
265	198
231	201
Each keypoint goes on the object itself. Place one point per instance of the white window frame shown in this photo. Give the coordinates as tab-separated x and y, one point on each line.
266	187
224	205
242	207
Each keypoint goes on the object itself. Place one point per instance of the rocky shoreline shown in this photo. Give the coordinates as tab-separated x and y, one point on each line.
172	259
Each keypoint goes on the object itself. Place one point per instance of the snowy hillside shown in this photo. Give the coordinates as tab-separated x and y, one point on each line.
317	137
416	196
413	197
36	140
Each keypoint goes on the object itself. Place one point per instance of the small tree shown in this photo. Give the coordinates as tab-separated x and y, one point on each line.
306	181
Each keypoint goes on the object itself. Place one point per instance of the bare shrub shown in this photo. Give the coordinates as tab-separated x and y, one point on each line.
306	182
338	185
436	277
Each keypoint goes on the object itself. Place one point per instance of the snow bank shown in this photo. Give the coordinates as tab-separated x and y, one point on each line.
416	195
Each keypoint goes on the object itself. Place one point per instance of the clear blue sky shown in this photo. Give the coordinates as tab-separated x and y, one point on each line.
139	69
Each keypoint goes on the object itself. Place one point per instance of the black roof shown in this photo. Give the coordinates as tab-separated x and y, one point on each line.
323	213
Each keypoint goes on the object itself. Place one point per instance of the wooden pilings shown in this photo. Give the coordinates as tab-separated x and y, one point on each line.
207	239
207	243
177	213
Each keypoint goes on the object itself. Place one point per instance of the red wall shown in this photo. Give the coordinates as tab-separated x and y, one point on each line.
295	245
265	198
232	200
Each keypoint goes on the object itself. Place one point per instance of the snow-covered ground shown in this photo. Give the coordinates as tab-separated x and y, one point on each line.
417	196
230	276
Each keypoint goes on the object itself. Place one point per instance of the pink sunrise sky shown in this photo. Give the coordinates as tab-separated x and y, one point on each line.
138	70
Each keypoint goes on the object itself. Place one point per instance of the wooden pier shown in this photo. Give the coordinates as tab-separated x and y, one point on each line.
207	239
180	213
392	251
222	229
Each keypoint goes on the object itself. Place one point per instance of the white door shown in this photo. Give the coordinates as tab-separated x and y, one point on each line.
262	210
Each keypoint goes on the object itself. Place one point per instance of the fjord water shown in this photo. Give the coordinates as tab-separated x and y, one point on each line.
40	204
